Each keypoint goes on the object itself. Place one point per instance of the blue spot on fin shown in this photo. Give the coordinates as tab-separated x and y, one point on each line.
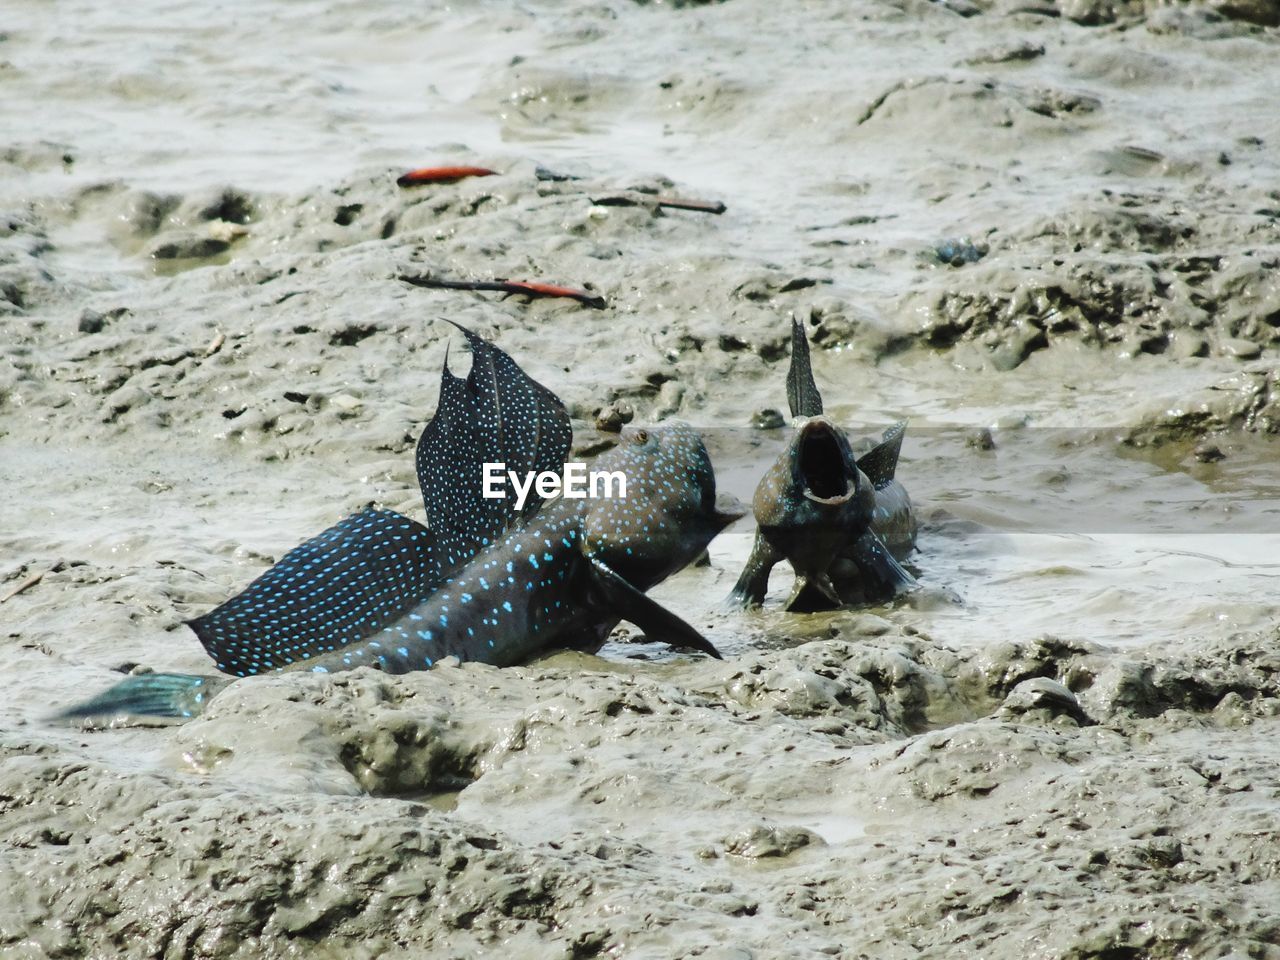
333	590
497	414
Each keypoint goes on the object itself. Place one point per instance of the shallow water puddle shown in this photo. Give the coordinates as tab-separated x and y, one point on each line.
833	828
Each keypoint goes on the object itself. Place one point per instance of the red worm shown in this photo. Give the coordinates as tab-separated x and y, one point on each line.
545	289
529	288
441	175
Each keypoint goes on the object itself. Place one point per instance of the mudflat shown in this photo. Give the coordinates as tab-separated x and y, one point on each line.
1046	232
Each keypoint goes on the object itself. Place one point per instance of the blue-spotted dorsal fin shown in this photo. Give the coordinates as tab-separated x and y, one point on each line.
881	461
496	414
337	588
802	392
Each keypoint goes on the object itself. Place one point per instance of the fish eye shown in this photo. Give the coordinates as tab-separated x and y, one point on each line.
639	437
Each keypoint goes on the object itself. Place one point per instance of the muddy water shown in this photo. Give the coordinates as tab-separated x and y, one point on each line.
1061	746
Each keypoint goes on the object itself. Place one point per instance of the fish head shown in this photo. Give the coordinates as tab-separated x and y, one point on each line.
669	512
815	480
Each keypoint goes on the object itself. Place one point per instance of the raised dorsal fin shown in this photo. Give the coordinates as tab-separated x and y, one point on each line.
496	414
802	392
881	461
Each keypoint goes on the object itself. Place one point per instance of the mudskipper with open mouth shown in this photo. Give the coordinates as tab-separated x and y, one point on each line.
842	523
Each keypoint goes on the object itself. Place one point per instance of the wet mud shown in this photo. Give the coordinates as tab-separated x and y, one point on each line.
1046	233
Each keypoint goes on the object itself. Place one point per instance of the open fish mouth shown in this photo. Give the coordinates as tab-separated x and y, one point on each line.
822	463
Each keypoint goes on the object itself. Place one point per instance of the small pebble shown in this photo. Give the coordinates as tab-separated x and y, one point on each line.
611	418
344	401
957	253
980	439
1012	421
766	840
1022	50
768	419
1208	453
1241	349
965	8
1186	344
188	247
91	322
223	232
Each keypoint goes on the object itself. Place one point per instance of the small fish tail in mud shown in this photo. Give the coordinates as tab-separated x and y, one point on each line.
811	594
149	695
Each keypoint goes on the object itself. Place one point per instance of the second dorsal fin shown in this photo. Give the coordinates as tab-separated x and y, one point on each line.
881	461
337	588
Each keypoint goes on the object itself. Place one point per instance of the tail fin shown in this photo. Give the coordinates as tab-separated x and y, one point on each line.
879	568
802	393
812	594
881	462
150	695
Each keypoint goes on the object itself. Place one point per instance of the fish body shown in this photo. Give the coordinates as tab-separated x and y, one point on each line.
553	581
483	581
841	521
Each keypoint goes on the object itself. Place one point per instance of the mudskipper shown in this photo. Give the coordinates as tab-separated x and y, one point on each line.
482	580
842	522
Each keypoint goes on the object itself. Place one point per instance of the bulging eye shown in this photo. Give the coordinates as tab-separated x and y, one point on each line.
639	437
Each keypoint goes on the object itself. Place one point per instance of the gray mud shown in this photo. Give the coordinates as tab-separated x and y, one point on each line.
1046	232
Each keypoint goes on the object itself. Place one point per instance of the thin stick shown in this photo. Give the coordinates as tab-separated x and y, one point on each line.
526	287
701	206
26	584
674	203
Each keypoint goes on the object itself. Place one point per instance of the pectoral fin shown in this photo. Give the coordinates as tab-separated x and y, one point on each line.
878	565
655	620
753	584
